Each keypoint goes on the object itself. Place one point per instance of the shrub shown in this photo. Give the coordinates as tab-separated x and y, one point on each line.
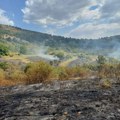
2	74
81	71
38	72
70	71
18	77
106	84
3	81
101	60
3	65
117	72
3	50
23	49
67	73
62	74
109	71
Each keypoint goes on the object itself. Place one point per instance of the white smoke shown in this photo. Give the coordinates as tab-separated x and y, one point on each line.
115	54
42	52
116	51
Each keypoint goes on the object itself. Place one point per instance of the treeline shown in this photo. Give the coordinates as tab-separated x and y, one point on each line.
13	46
102	44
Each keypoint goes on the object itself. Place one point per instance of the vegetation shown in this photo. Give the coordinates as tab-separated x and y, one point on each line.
106	84
20	36
17	44
38	72
101	60
3	81
23	49
18	77
3	65
3	50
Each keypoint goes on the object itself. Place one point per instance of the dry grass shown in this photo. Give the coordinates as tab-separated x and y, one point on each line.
38	72
22	58
3	81
65	63
106	84
7	83
72	73
18	77
109	71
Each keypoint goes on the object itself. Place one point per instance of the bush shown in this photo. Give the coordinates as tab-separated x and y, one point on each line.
3	81
101	60
23	50
67	73
2	74
81	71
3	65
3	50
117	72
38	72
106	84
62	74
18	77
109	71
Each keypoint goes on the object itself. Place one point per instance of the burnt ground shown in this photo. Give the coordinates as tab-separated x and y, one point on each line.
66	100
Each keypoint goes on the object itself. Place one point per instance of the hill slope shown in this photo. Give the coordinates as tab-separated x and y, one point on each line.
20	35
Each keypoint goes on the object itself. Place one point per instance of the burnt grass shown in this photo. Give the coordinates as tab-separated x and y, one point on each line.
65	100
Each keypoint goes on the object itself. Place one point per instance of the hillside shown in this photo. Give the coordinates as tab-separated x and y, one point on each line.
45	77
19	35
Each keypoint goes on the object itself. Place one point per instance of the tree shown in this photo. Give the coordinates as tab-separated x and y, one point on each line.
23	50
3	65
101	65
101	60
3	50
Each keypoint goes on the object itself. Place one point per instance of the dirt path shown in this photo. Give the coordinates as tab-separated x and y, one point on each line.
66	63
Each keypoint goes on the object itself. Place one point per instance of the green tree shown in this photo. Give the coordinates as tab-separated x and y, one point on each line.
101	60
3	65
3	50
23	49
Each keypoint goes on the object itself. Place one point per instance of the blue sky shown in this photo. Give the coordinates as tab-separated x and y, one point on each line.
70	18
13	11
